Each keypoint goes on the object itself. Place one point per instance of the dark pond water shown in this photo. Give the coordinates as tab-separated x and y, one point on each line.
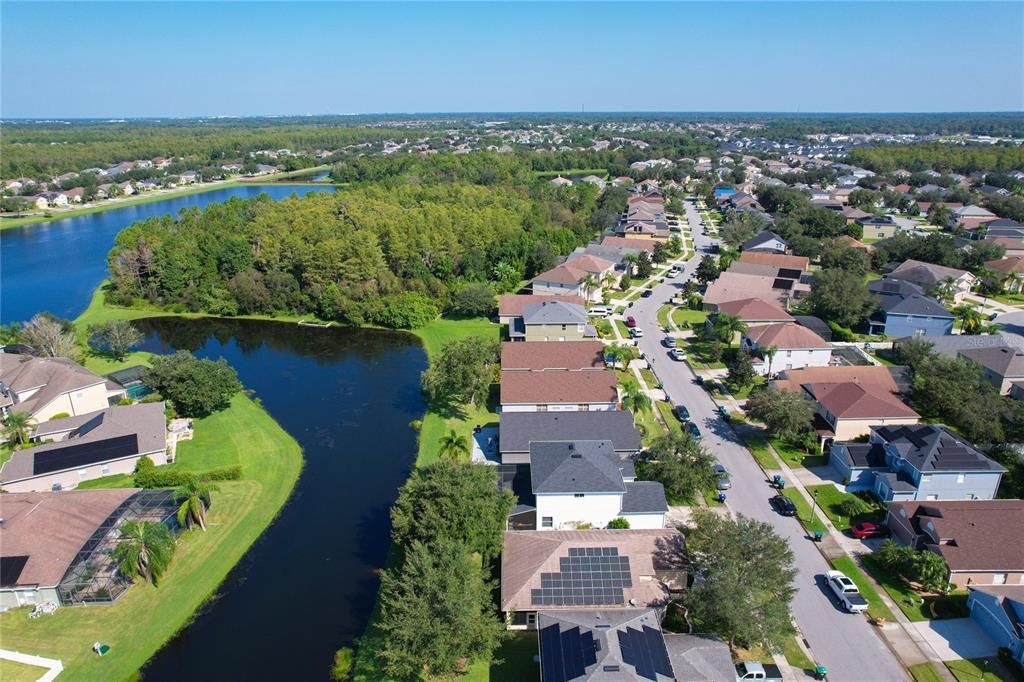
307	586
56	266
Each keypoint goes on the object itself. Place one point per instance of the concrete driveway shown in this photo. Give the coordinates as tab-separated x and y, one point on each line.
846	644
955	638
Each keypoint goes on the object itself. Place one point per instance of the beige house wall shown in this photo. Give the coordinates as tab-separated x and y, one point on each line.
70	479
556	289
848	429
555	332
964	578
83	401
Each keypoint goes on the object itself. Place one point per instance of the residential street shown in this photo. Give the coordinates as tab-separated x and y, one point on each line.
844	643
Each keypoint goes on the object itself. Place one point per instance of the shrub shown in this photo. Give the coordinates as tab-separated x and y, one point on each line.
162	477
60	415
151	398
619	523
232	472
841	333
416	425
124	401
409	310
342	668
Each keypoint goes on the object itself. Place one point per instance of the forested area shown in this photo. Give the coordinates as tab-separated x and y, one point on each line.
941	157
798	125
35	151
392	254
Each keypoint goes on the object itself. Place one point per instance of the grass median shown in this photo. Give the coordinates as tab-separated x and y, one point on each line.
876	607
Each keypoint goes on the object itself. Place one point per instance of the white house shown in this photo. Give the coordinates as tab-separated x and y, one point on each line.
585	484
45	387
795	347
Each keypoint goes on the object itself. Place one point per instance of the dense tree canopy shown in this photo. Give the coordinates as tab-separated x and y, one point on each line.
196	387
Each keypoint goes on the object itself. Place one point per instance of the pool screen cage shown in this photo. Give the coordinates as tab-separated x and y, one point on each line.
93	577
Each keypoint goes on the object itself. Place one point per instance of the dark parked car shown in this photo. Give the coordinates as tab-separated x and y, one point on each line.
783	505
630	321
682	413
647	293
692	429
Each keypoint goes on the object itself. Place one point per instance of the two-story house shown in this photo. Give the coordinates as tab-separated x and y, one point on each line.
46	387
936	280
877	226
916	462
559	391
766	241
1002	366
586	484
510	306
905	310
581	278
552	320
847	410
795	347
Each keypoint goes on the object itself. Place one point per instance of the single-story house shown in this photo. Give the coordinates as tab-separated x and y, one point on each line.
780	260
916	462
934	278
519	429
1014	245
586	484
552	321
510	306
566	570
540	356
980	540
84	447
905	310
848	410
847	240
48	387
755	311
795	347
766	241
999	610
559	391
877	375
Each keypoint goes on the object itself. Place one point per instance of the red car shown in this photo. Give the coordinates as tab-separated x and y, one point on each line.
630	322
866	529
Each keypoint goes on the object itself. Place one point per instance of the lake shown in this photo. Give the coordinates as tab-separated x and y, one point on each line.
55	266
308	585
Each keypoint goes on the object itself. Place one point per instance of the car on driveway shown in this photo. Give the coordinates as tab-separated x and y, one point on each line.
677	354
783	505
692	429
674	271
866	529
722	474
630	321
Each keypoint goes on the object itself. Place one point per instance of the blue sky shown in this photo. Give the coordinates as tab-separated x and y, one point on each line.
90	59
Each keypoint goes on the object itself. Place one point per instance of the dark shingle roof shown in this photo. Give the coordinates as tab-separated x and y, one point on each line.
860	455
644	497
518	429
760	239
900	297
931	447
584	466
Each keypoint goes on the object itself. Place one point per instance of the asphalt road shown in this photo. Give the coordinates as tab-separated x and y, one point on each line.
845	643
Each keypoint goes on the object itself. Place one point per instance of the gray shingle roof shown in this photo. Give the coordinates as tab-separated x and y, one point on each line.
644	497
931	447
761	238
900	297
700	658
518	429
555	312
584	466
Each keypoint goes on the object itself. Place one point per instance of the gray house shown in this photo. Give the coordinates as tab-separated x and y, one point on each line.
766	241
916	462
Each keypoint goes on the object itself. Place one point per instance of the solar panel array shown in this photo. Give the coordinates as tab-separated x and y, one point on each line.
589	576
85	454
645	650
566	655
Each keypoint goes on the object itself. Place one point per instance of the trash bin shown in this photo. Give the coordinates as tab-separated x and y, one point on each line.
820	673
721	497
818	535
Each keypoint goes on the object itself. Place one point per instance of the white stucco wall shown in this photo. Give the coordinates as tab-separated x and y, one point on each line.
645	521
84	401
567	511
796	359
69	480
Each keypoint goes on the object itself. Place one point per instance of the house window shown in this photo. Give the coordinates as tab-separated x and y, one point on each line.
563	327
932	497
578	495
585	407
547	522
105	469
998	578
542	408
531	618
960	478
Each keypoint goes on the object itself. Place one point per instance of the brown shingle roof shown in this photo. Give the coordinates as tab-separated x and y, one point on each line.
785	336
589	263
512	305
1012	264
563	274
755	309
527	388
859	401
527	554
988	534
627	243
541	355
735	286
51	527
777	259
877	375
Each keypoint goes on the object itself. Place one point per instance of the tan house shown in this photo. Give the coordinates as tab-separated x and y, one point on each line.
793	379
736	286
552	321
848	410
583	276
936	279
45	387
1011	271
778	260
510	306
980	540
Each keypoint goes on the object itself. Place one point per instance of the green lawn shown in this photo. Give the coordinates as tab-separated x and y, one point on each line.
986	669
442	330
6	450
669	417
663	312
1009	299
758	447
831	498
649	378
876	607
684	315
139	623
914	606
697	353
796	457
925	672
811	520
649	425
621	326
513	662
744	393
796	657
19	672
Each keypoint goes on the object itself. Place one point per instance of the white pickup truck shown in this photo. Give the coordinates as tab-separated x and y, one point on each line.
761	672
846	592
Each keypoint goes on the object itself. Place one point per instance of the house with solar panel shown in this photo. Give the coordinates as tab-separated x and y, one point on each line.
917	462
586	484
563	570
84	447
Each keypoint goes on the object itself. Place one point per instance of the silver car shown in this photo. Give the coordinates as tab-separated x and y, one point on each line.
723	476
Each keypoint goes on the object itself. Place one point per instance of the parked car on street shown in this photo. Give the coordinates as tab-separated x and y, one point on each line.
846	592
647	293
600	311
674	271
669	342
677	354
723	476
636	332
630	321
692	429
783	505
682	414
866	529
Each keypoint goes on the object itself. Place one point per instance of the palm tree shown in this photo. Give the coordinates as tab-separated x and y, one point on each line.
633	399
195	500
144	550
630	260
16	426
947	290
453	445
726	327
769	353
589	284
970	319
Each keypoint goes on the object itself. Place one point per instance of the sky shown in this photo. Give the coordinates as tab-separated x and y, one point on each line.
183	59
